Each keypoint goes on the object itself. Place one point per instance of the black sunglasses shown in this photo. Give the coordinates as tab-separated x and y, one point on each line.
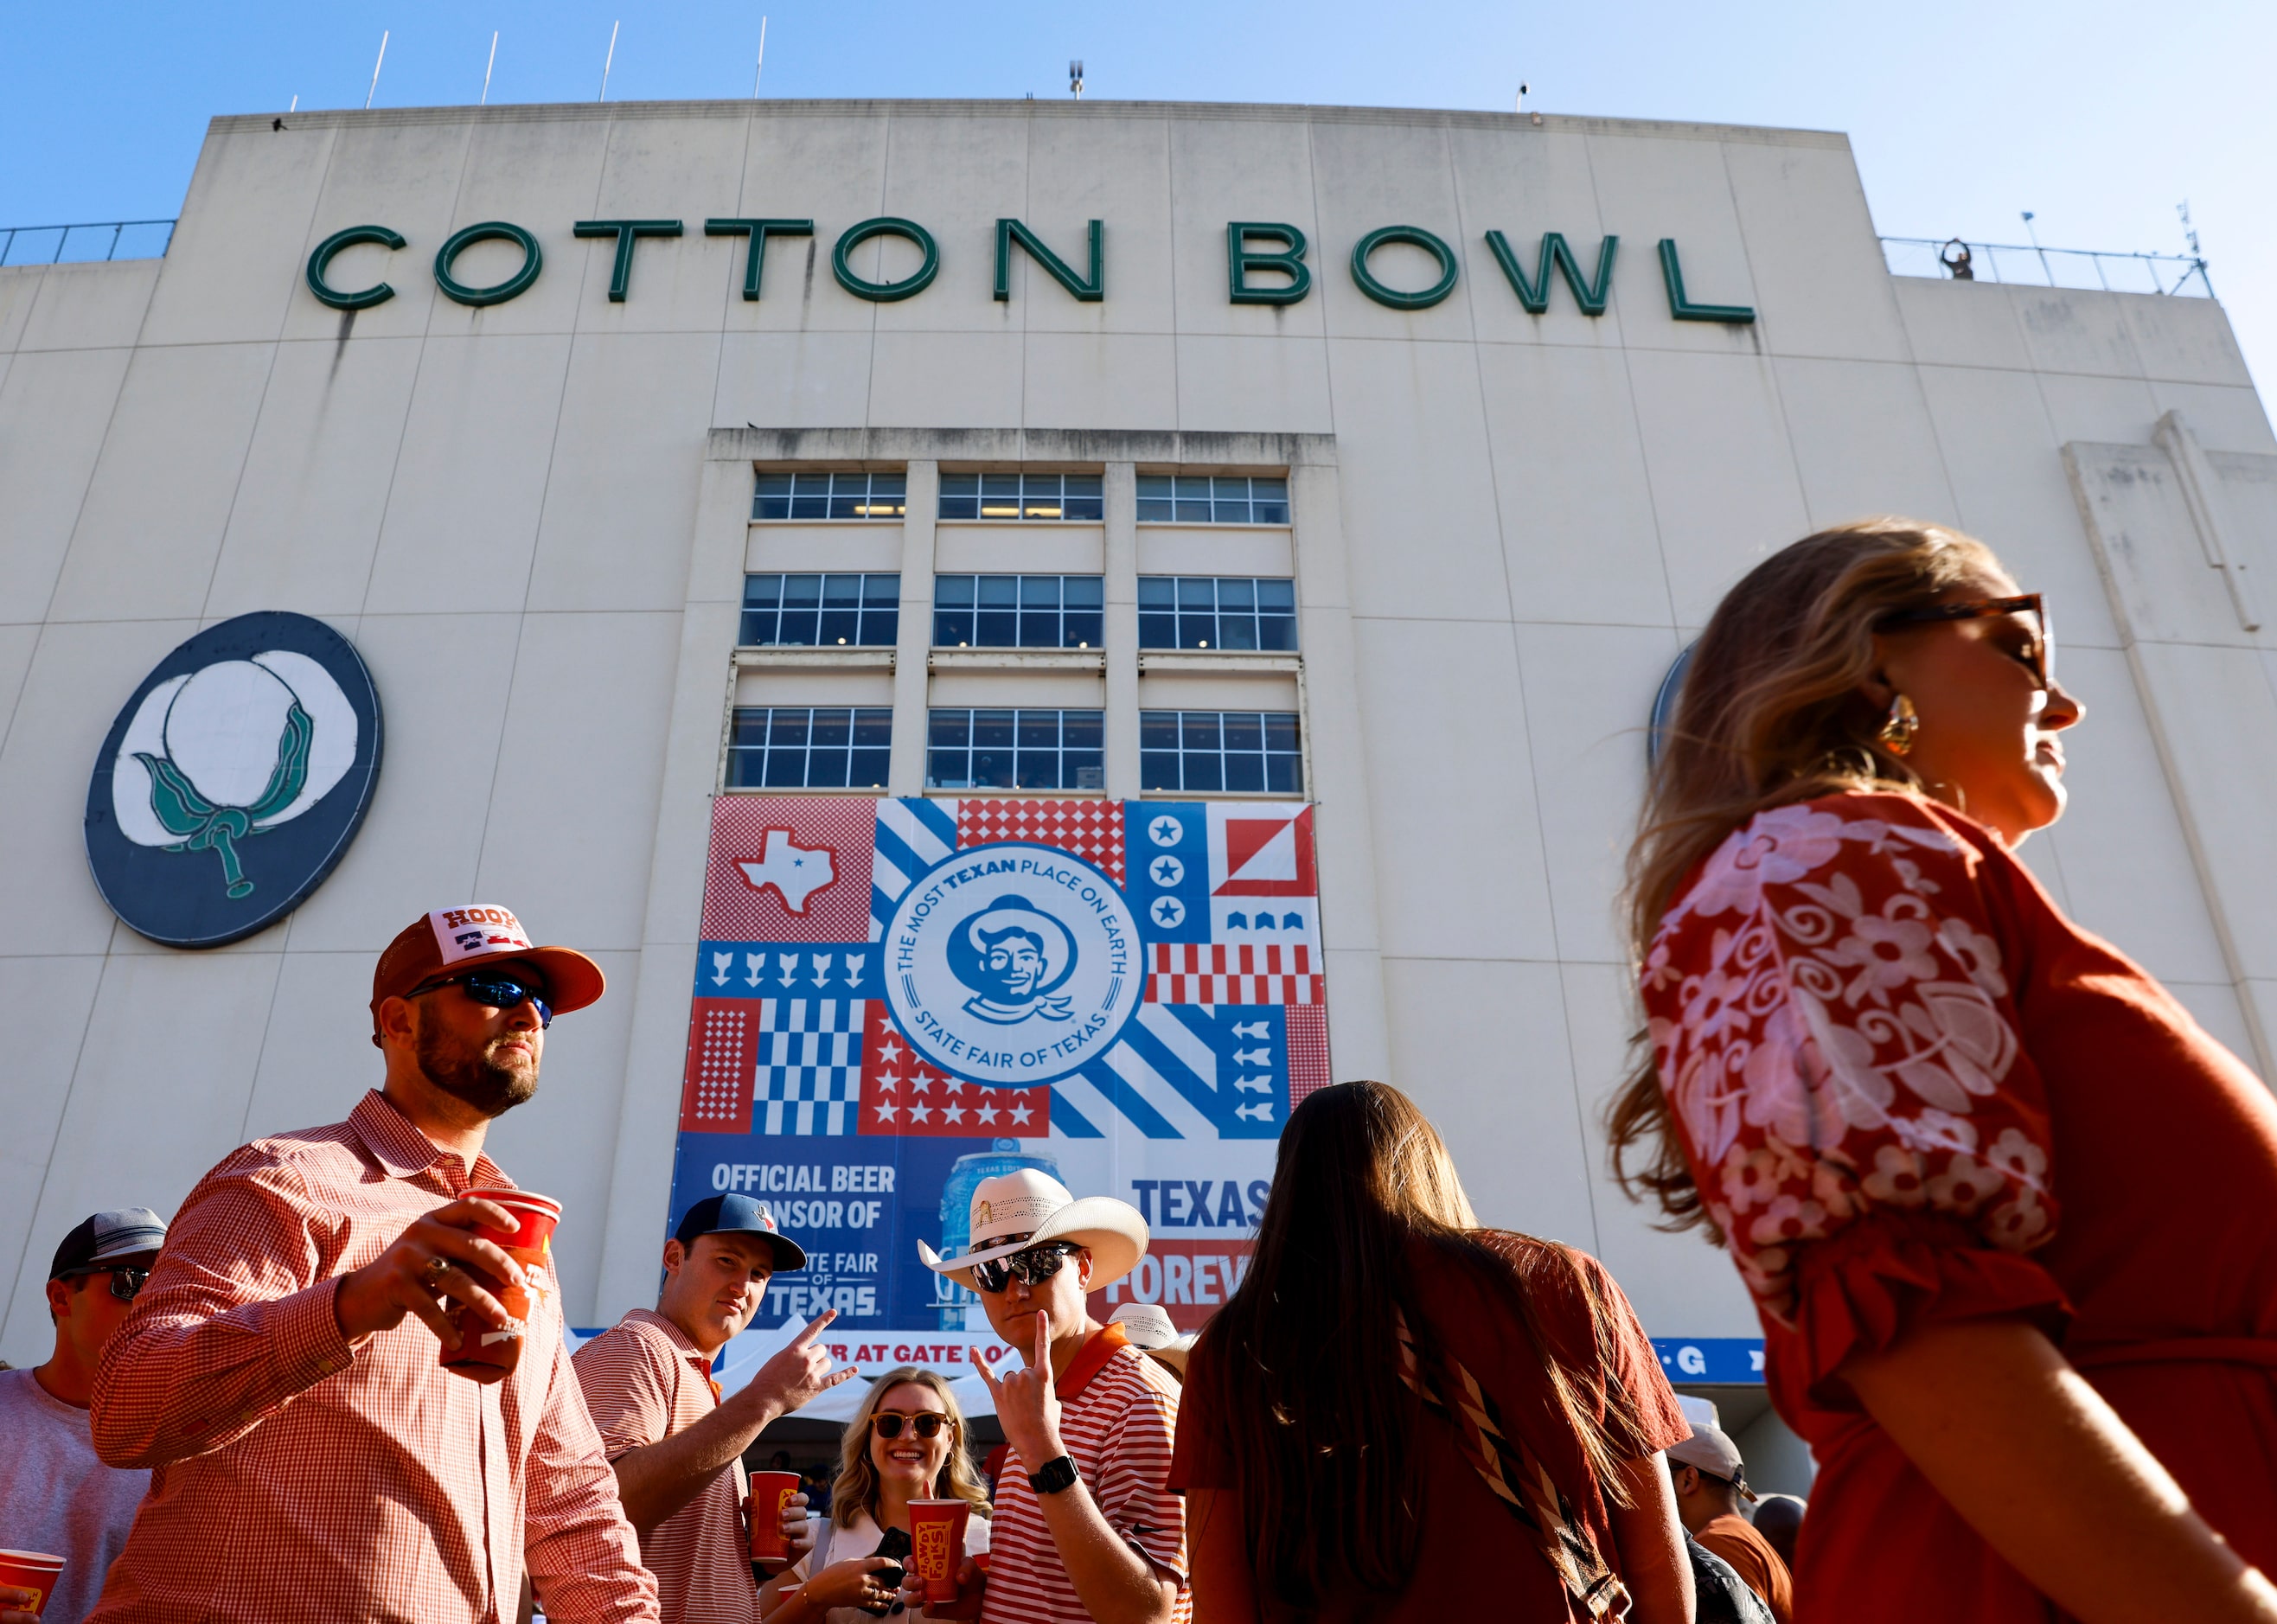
2038	657
499	992
925	1424
1032	1267
125	1284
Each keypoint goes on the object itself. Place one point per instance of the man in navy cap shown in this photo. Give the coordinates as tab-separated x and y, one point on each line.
676	1446
56	1496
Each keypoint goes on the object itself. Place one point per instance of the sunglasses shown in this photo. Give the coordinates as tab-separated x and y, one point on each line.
1032	1267
2038	657
925	1424
125	1284
499	992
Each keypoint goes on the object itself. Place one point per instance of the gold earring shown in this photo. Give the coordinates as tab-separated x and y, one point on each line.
1898	729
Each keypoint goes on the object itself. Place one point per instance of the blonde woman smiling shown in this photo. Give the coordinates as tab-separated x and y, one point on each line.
905	1443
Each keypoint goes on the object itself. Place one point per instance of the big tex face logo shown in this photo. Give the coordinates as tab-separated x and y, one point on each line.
1013	964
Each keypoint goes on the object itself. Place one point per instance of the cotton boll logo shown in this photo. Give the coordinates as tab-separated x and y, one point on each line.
233	779
238	754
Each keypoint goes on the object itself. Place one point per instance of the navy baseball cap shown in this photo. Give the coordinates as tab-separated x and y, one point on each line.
101	1241
739	1214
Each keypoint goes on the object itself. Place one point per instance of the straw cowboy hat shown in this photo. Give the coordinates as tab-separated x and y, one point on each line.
1036	1208
1149	1327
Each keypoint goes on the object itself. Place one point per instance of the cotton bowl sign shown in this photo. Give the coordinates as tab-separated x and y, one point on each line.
234	780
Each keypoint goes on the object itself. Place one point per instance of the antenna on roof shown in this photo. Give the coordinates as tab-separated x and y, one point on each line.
2028	218
762	67
296	108
2189	231
375	69
487	67
1523	89
610	61
1075	78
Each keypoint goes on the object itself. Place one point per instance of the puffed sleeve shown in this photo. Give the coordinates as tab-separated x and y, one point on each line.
1831	1015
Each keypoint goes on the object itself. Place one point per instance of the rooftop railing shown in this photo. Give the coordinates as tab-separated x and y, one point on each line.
2038	267
86	241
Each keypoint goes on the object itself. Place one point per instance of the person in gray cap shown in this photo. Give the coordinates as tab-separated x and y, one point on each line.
1711	1480
676	1446
56	1496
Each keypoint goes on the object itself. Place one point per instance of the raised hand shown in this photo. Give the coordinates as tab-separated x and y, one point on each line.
798	1373
1027	1402
427	1263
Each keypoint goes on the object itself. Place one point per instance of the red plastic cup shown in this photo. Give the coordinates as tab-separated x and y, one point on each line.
937	1547
769	1491
488	1353
32	1570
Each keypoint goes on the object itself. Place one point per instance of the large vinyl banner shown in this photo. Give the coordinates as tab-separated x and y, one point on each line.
895	999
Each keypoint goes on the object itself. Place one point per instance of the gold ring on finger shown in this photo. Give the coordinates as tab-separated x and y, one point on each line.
437	1267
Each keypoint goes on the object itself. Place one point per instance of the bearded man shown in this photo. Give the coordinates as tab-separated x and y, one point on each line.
281	1370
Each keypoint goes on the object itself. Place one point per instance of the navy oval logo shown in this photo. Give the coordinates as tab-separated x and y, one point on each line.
234	780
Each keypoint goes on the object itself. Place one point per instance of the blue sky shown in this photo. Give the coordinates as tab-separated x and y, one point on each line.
2098	116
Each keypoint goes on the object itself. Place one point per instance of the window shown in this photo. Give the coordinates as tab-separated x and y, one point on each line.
810	747
821	611
830	496
1017	612
1198	499
1217	611
1020	496
1238	752
1015	749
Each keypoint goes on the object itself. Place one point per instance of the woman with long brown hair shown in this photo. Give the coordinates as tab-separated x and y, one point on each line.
2004	1206
1401	1415
905	1442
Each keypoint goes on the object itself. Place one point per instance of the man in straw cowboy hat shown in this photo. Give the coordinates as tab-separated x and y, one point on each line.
1084	1527
282	1370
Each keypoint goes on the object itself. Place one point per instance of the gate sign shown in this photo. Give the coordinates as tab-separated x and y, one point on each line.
896	999
232	782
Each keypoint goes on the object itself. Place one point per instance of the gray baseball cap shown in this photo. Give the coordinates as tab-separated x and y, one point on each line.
100	1241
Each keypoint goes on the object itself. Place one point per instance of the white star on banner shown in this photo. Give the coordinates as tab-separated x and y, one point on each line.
886	1081
955	1113
885	1111
890	1053
986	1113
919	1081
1020	1112
920	1113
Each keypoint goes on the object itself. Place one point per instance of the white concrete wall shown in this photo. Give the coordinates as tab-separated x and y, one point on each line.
510	511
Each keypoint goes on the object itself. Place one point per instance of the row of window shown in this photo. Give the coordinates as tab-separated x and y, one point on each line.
1028	612
842	747
1163	498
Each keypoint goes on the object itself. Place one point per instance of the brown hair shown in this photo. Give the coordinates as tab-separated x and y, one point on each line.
856	1488
1770	713
1302	1362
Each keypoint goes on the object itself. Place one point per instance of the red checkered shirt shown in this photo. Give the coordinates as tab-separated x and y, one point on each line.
298	1474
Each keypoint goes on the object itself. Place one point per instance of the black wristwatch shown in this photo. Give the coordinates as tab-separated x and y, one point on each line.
1058	1474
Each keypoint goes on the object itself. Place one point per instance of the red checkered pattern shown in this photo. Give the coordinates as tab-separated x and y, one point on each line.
1091	829
903	1097
844	825
1190	972
1308	1050
723	1049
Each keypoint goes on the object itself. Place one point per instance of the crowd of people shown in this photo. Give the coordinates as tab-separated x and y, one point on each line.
1999	1199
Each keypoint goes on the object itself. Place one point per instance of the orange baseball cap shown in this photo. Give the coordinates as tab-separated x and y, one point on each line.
452	940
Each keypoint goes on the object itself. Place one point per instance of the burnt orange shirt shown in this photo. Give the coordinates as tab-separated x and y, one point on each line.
1733	1538
1912	1092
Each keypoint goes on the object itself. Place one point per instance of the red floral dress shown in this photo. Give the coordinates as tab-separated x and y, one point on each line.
1912	1091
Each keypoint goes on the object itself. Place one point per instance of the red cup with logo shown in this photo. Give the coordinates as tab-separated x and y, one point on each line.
31	1570
770	1491
488	1353
937	1547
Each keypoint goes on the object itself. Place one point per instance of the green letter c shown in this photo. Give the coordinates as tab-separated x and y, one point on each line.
378	292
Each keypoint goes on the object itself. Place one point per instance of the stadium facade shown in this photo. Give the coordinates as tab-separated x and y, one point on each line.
714	491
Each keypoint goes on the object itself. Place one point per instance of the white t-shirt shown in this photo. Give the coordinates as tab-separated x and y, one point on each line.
56	1497
860	1539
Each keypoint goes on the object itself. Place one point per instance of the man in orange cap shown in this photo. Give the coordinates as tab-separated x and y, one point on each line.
280	1372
